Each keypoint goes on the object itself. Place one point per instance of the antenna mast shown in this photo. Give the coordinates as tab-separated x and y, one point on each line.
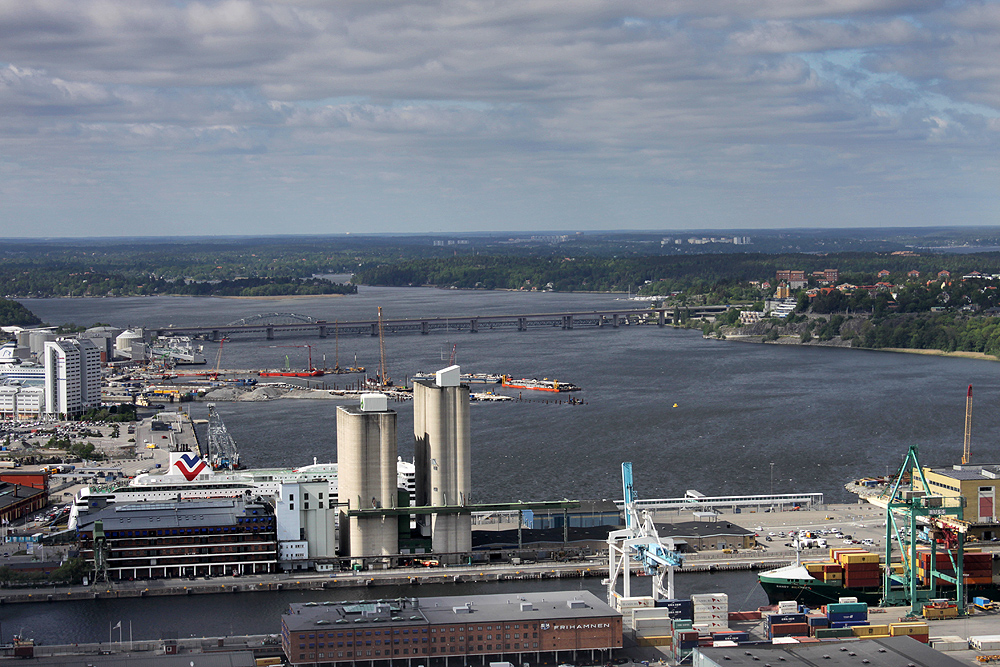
967	450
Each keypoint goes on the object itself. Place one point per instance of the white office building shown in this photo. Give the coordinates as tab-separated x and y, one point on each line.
20	402
72	376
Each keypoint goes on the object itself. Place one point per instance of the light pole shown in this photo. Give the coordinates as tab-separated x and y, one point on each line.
772	486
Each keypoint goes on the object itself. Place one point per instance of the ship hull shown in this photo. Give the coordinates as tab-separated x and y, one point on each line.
553	387
815	593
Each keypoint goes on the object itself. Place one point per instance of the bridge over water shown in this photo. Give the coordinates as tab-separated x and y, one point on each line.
270	324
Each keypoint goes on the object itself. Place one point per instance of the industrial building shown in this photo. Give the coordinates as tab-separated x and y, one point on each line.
17	501
193	538
978	486
367	479
902	651
72	376
698	535
21	402
554	626
442	456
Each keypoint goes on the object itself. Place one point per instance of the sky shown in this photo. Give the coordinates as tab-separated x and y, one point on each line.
168	117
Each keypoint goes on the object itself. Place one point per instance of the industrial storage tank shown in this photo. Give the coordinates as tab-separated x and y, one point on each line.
123	343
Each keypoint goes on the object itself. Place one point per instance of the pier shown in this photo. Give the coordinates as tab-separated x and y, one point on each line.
269	325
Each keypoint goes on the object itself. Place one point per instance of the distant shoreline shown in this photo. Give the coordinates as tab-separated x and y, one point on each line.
791	340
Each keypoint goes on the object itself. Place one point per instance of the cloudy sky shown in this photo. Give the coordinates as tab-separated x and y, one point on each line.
161	117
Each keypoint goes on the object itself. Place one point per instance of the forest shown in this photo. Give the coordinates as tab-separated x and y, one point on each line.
13	313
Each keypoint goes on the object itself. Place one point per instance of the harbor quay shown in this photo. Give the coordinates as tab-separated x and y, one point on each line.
862	522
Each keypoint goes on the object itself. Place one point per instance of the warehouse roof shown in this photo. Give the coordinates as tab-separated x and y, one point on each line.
888	652
502	607
970	472
180	514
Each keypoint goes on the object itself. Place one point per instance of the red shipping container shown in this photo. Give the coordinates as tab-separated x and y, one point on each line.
862	567
789	629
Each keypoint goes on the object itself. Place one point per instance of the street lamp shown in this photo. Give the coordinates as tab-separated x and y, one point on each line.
772	486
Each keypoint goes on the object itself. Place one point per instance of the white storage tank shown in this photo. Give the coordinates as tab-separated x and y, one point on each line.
123	343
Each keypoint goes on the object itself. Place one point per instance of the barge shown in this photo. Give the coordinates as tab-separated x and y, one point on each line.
544	384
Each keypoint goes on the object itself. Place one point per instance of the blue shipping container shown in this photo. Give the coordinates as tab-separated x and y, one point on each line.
784	618
846	607
847	616
847	624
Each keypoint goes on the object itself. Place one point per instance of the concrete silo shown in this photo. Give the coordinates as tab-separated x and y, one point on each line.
366	472
442	436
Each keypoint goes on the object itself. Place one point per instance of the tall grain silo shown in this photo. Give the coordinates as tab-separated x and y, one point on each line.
442	446
366	476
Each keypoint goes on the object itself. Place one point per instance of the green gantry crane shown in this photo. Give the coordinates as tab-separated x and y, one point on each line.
913	505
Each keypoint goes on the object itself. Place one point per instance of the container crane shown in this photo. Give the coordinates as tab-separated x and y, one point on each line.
639	541
908	509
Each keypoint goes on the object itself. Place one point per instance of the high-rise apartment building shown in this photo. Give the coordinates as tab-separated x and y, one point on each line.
72	376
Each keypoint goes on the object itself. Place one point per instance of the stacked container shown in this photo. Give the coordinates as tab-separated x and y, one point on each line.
711	610
860	570
846	614
918	631
788	607
977	567
651	626
777	624
685	641
678	608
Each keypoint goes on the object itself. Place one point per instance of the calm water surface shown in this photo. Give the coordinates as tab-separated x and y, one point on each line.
689	413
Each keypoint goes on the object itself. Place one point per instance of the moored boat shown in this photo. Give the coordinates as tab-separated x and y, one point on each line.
305	373
544	384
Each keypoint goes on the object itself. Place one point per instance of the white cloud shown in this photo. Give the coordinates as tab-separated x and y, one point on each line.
457	96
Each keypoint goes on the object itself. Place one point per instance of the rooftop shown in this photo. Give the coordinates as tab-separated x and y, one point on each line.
970	472
405	612
187	514
888	652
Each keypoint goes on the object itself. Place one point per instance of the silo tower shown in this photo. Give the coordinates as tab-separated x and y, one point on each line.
366	472
442	435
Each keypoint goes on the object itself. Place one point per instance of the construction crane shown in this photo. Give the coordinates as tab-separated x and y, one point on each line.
639	541
967	449
384	379
218	361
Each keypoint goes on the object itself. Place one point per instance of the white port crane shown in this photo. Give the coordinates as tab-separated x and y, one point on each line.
639	541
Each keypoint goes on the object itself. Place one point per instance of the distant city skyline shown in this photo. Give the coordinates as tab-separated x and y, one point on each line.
263	117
